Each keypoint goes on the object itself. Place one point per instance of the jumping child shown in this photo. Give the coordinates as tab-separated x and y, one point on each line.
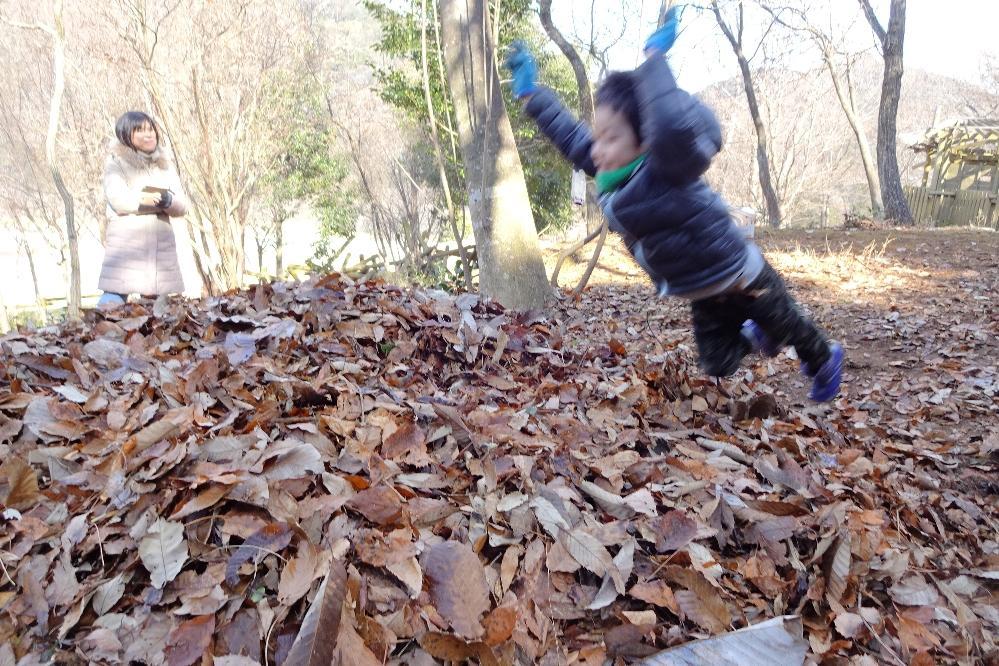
650	145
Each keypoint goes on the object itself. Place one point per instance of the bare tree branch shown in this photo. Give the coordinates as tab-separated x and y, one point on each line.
872	18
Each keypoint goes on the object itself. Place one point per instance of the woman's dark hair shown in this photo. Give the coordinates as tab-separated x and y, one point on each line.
618	92
131	121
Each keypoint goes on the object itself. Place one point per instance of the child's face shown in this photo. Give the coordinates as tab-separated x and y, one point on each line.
144	138
615	144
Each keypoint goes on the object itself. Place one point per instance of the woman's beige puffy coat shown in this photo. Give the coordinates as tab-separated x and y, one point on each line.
140	251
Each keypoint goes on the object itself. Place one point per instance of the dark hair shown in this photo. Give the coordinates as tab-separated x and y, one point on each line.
618	92
131	121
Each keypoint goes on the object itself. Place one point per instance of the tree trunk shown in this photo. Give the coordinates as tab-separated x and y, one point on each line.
278	248
892	43
260	254
58	86
762	153
584	89
466	268
846	100
510	266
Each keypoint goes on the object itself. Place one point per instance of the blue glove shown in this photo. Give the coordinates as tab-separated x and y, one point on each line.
663	38
524	68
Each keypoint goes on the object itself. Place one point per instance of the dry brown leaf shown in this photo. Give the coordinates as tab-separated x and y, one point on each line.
109	594
242	635
849	625
656	592
378	549
674	530
642	502
270	538
22	484
913	591
700	601
9	428
645	618
296	459
163	551
457	586
189	642
452	649
773	530
837	567
408	571
499	625
587	551
778	508
509	565
380	504
316	642
608	501
446	648
206	499
298	574
408	439
916	636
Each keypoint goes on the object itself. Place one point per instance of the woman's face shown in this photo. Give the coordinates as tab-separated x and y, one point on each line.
144	138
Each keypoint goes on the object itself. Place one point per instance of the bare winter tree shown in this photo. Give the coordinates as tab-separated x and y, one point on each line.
57	34
891	42
27	196
839	65
511	269
735	33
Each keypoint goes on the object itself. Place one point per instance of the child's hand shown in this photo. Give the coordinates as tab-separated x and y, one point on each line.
524	68
662	39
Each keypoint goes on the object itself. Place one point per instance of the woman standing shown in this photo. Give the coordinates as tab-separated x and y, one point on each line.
143	193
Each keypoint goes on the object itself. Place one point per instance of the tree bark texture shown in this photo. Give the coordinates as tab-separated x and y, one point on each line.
58	86
770	198
510	267
846	100
892	45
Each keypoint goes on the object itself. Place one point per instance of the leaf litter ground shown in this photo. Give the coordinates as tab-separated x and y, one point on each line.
431	478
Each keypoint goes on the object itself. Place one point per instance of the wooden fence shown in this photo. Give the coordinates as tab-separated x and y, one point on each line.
966	208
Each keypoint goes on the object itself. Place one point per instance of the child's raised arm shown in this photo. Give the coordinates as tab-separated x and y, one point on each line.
570	136
680	134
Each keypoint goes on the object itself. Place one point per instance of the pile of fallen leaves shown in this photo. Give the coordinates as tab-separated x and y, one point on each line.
416	477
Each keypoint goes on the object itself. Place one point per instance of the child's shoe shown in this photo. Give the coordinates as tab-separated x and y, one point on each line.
826	380
759	340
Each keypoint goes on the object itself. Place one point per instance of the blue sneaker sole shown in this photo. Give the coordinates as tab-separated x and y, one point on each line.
827	381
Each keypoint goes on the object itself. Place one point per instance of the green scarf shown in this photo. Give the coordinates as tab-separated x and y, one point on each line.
608	181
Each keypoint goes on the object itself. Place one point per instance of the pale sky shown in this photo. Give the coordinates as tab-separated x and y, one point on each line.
950	38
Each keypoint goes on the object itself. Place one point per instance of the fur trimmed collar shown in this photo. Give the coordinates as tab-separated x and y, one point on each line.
139	160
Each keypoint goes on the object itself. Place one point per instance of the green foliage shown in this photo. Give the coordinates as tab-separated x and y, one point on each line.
548	176
308	169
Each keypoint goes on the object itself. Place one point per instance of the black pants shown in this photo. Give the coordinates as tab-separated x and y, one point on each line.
718	325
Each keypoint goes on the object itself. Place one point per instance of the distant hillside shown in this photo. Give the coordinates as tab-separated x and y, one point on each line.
813	148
